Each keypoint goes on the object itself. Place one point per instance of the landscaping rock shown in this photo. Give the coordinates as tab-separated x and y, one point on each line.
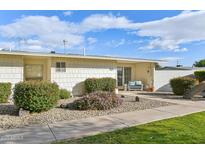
63	106
23	113
137	99
198	89
122	96
10	119
130	98
203	94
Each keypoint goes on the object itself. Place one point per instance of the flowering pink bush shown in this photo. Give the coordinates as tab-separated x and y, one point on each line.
97	101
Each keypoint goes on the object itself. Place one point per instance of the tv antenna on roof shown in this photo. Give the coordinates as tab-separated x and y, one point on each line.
64	44
177	62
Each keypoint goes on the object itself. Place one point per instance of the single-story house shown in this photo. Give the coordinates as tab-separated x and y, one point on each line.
70	70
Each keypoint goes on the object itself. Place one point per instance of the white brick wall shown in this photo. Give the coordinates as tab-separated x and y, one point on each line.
78	70
11	69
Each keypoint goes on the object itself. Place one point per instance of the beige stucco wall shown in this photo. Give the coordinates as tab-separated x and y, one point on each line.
77	70
145	73
42	61
11	69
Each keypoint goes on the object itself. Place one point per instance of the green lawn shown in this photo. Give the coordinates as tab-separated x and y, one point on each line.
186	129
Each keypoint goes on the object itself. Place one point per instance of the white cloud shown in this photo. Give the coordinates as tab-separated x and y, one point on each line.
186	12
34	48
167	34
101	22
32	42
170	33
30	45
7	45
91	40
132	33
34	25
116	43
67	13
171	58
136	42
49	32
171	61
170	45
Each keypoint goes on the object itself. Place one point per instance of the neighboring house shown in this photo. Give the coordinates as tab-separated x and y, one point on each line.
69	70
165	74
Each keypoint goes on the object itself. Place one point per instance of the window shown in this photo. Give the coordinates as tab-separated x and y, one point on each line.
119	76
123	75
60	67
34	72
127	74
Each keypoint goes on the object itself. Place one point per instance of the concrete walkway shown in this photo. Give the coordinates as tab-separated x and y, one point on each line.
90	126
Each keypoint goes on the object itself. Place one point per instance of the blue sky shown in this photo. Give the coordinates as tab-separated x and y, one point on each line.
167	35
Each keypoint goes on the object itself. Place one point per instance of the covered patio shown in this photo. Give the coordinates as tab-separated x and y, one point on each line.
140	71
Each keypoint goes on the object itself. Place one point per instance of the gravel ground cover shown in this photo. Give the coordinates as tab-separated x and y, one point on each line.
169	95
9	113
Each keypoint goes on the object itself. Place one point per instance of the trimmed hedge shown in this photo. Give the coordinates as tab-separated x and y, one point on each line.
100	84
97	101
200	75
36	96
5	92
64	94
181	84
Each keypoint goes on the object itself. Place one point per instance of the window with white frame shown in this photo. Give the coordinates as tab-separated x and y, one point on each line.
60	67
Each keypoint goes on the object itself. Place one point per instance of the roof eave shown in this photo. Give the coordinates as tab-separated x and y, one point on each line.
76	56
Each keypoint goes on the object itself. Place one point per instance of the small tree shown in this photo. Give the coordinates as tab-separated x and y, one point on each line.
200	63
157	66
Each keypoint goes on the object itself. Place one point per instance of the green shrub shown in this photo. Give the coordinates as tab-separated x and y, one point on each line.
100	84
200	75
64	94
181	84
5	92
97	101
36	96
